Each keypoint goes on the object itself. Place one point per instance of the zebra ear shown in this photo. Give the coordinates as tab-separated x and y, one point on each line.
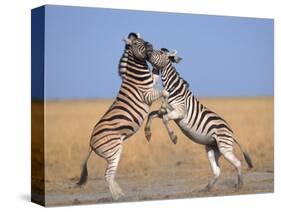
173	53
175	59
138	35
127	41
173	56
133	35
164	50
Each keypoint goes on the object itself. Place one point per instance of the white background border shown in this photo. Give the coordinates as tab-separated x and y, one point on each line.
15	102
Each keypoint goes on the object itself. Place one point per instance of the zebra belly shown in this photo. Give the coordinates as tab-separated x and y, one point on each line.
194	135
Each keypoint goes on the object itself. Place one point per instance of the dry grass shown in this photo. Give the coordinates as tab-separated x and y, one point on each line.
69	125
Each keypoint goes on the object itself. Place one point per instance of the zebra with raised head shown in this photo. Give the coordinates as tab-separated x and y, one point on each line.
128	111
196	121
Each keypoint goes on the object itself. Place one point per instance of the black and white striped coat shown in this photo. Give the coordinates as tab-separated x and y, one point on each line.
127	112
196	121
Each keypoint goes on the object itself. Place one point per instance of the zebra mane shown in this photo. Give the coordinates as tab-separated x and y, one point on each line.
186	83
127	50
164	50
178	74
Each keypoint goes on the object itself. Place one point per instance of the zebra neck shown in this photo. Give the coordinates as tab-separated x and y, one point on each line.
136	61
134	70
172	81
123	62
167	73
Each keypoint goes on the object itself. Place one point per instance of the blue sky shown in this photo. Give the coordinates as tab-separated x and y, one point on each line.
222	56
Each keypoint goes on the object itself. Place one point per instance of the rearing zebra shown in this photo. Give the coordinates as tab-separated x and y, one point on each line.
195	120
128	111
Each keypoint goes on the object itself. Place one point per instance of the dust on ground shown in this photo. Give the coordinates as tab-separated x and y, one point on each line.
156	188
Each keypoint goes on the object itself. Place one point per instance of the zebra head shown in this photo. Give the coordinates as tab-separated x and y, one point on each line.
159	59
139	47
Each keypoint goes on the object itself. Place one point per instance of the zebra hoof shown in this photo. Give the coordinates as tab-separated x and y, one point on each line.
174	139
207	188
238	186
116	192
163	110
117	196
148	135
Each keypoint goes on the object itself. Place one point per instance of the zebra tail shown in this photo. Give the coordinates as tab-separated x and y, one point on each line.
84	172
246	156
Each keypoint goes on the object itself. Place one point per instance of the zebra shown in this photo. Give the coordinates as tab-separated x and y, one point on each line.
127	113
196	121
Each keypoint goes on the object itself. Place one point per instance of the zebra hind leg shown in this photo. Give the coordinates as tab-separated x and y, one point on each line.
213	156
112	164
230	157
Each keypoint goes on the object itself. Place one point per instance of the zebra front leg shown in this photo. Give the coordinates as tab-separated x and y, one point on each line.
171	133
112	164
154	94
165	105
150	97
173	115
147	128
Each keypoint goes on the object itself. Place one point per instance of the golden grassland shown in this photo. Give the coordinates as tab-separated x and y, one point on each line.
69	124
